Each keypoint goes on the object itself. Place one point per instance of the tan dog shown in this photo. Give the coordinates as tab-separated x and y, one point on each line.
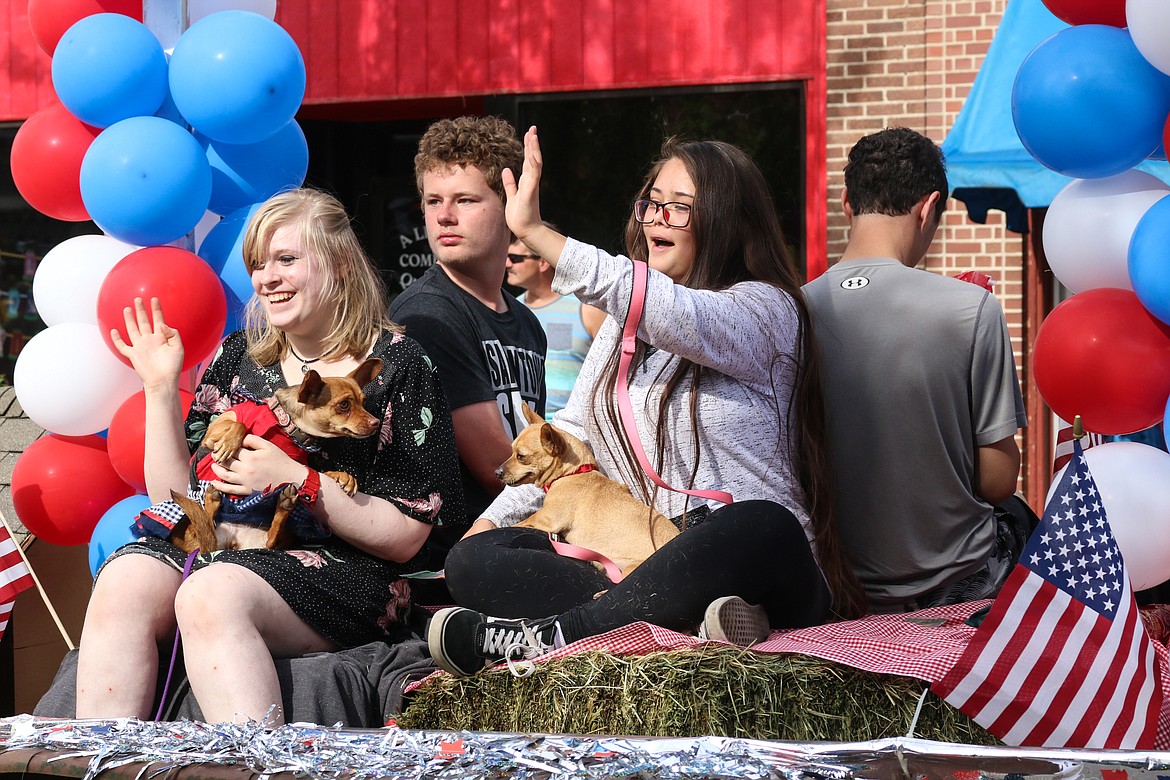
583	506
319	407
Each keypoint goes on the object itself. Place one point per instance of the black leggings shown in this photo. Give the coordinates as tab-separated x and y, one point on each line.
752	549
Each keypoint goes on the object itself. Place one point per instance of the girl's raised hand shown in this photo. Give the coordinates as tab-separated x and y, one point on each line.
522	208
155	349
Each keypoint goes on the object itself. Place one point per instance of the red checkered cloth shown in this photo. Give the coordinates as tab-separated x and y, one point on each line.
922	644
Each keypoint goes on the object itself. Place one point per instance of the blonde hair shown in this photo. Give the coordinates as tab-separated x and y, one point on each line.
333	250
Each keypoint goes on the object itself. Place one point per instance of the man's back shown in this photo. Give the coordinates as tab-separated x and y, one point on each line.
919	373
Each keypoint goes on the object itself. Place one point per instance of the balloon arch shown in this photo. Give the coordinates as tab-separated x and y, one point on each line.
153	147
1091	102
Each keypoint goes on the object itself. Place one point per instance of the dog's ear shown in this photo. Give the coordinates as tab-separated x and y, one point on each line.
365	373
532	417
552	441
310	388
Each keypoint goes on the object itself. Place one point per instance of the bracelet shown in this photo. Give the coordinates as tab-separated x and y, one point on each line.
307	492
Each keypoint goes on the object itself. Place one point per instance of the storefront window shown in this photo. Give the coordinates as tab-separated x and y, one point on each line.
598	148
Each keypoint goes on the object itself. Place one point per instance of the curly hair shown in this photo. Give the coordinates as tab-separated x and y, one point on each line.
891	170
352	285
487	142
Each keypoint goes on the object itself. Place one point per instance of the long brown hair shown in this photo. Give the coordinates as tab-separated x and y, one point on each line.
738	238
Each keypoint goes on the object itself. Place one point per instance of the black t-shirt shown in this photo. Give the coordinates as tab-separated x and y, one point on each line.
482	355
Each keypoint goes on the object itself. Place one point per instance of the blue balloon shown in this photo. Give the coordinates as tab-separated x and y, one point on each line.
223	250
145	181
242	174
113	530
1166	422
1087	104
1149	260
169	111
237	77
109	67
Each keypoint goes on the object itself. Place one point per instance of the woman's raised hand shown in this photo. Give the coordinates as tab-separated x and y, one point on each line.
522	209
155	349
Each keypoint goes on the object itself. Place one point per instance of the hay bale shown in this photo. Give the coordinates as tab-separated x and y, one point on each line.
706	690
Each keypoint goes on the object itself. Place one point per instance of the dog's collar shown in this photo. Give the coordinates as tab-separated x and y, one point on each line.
305	441
583	469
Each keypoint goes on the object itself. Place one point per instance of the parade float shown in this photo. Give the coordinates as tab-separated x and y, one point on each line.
171	130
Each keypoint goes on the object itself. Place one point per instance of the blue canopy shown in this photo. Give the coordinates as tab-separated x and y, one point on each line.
987	165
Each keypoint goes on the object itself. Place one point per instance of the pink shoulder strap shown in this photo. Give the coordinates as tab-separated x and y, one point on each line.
625	408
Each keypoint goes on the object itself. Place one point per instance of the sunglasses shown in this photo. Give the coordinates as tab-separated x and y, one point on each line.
521	258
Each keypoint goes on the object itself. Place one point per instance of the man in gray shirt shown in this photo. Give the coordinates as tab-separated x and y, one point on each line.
922	397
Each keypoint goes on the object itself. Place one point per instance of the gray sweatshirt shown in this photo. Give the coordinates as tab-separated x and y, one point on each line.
747	335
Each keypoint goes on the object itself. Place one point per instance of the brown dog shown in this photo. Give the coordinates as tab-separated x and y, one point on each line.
583	507
319	407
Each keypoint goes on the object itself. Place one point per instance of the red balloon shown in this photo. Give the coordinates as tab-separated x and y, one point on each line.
49	19
1110	12
126	439
1160	154
62	485
191	295
46	162
1101	355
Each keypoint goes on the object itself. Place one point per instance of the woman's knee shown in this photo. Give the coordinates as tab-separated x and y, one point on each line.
472	559
217	596
134	592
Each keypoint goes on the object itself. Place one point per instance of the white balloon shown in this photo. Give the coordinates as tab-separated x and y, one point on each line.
197	9
1089	225
1134	483
1149	26
65	287
69	382
209	220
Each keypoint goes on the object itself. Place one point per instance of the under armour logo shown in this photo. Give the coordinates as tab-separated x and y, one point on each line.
854	283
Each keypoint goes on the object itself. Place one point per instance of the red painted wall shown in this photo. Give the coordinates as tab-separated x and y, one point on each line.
394	49
371	54
25	84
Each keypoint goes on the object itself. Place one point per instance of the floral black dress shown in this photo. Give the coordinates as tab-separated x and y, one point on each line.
348	595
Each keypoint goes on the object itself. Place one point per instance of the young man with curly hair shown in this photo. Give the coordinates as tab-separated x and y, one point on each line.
489	348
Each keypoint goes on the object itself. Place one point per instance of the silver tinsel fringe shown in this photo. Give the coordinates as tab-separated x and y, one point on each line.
314	751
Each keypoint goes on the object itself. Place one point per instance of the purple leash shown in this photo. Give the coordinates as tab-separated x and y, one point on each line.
175	650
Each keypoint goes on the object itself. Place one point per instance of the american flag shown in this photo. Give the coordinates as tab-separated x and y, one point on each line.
1062	659
14	575
1064	445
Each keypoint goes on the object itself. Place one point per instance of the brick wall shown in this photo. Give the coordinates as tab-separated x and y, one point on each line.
912	63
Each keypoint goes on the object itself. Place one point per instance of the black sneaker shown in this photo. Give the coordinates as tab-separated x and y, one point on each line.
463	641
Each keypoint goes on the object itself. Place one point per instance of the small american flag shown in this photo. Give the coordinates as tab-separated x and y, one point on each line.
1064	445
1062	659
14	575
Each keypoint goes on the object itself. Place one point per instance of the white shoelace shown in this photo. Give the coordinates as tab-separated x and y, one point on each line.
519	654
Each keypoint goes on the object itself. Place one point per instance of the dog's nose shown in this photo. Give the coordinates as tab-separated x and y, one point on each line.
500	473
